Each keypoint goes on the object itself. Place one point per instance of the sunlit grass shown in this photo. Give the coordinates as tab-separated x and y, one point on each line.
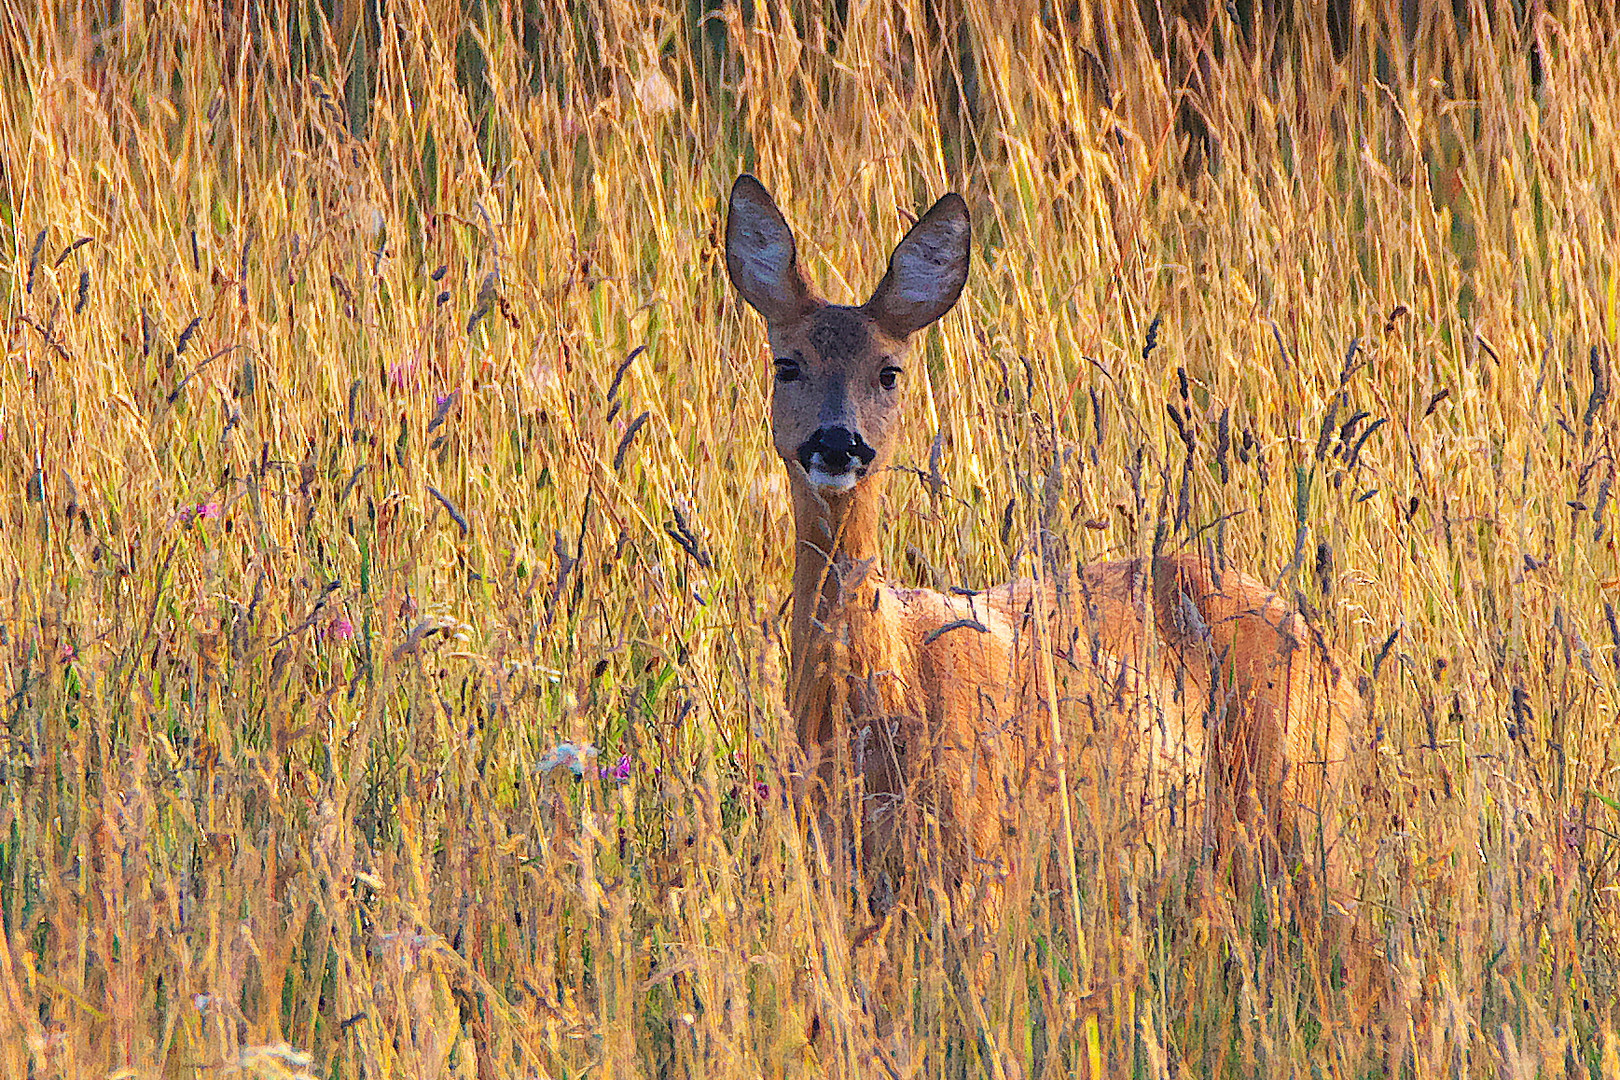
375	417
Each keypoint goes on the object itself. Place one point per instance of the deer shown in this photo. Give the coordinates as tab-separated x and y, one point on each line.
1202	694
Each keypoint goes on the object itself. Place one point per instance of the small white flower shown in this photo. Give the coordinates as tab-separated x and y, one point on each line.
572	756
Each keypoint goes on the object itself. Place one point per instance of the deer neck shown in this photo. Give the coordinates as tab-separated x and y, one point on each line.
841	635
835	573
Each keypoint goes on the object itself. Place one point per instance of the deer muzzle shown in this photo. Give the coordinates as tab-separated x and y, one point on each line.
835	458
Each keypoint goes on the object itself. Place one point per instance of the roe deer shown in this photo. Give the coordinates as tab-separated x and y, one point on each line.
1208	698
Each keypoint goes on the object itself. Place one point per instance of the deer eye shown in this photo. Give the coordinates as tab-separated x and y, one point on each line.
888	376
787	370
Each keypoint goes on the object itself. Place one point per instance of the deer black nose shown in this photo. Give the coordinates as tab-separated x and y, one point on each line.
831	448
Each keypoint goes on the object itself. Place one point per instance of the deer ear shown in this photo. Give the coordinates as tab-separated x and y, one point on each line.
926	271
760	254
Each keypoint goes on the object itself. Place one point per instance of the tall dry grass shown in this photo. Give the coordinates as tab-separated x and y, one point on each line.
375	417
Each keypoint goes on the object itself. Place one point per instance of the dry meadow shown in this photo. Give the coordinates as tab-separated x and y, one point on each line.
392	556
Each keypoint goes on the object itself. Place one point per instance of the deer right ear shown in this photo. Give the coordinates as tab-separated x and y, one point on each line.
760	255
926	271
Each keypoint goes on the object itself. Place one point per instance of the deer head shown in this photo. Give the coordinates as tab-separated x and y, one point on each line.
839	370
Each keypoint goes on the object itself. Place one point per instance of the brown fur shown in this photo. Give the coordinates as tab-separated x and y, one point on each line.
1209	700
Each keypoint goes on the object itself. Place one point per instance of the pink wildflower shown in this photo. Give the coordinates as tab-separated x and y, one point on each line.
402	373
621	771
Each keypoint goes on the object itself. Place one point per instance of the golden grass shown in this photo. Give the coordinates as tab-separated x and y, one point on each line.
294	601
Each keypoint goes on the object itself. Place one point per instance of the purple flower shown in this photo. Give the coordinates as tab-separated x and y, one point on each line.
342	628
187	514
621	771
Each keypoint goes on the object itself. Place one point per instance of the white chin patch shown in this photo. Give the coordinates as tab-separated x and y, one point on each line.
833	482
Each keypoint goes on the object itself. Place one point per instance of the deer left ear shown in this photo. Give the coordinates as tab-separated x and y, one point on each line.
761	257
926	271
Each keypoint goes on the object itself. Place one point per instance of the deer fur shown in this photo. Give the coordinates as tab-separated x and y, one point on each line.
1190	692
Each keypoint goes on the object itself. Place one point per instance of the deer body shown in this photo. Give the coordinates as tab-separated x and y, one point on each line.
1208	699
